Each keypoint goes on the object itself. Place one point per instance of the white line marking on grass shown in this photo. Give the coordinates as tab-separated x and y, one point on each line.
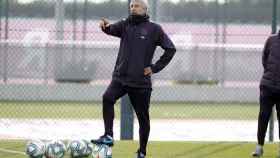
11	151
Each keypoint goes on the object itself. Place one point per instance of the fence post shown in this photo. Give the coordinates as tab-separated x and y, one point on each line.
224	41
127	117
59	16
215	75
273	31
85	18
5	66
1	8
154	10
1	54
59	36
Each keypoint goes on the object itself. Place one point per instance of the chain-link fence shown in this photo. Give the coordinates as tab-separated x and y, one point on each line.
53	50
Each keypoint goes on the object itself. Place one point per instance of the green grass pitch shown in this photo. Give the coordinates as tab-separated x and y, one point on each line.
78	110
126	149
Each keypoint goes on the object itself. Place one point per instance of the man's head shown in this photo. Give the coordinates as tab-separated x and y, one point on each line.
138	7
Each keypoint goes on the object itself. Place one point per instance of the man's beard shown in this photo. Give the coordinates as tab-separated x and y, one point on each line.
137	14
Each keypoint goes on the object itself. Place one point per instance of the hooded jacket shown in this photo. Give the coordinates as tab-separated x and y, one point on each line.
138	41
271	62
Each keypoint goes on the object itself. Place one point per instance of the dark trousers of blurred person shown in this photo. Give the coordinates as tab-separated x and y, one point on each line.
268	98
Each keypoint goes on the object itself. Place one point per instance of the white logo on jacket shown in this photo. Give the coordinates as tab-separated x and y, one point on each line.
142	37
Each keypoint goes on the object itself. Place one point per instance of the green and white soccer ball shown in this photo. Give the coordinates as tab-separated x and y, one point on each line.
102	151
80	148
55	149
89	148
35	149
77	148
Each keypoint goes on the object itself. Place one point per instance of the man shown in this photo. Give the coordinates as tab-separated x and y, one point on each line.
132	73
269	89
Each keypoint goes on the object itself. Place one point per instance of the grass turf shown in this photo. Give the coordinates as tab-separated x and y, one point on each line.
126	149
76	110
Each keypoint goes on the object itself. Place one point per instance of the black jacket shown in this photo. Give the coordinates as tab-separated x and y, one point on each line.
137	46
271	62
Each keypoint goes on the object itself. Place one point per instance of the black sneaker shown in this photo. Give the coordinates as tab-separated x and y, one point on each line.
105	139
139	154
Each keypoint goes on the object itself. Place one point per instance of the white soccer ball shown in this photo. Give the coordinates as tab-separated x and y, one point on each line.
55	149
77	148
35	149
89	148
102	151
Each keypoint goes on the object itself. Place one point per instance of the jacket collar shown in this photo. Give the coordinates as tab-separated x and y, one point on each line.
138	19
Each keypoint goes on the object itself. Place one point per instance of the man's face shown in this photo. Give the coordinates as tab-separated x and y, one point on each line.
137	8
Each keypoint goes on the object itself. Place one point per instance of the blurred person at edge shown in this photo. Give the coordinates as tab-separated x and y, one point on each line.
269	90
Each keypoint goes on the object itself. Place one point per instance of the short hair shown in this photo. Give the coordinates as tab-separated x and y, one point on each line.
143	2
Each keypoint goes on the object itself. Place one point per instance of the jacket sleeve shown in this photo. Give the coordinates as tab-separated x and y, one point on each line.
115	29
266	52
169	50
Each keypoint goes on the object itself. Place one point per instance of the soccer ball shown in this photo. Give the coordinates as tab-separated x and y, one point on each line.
89	148
102	151
80	148
55	149
35	149
77	148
